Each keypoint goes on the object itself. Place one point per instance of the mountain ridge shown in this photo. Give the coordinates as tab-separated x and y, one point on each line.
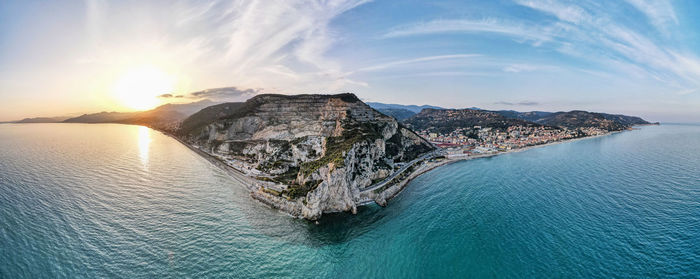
413	108
164	117
577	119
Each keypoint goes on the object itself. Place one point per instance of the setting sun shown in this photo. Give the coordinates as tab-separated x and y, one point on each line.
139	88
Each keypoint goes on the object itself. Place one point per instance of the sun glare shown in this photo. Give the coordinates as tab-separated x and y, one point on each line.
139	88
144	139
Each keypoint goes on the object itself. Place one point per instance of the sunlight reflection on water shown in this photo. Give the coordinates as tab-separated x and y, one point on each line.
144	139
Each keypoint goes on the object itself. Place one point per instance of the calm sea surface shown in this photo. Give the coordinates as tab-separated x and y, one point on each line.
126	201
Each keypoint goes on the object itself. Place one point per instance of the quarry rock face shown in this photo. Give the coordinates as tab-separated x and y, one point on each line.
308	154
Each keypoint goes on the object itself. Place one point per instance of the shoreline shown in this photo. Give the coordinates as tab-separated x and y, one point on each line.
531	147
293	208
382	199
247	181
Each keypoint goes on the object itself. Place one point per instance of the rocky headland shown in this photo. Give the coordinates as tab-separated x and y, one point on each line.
308	154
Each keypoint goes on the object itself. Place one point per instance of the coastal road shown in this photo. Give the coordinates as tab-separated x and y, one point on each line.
401	170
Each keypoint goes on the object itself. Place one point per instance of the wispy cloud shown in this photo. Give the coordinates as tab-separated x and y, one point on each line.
620	42
275	44
469	26
586	31
522	103
688	91
660	12
436	74
519	68
415	60
567	13
169	96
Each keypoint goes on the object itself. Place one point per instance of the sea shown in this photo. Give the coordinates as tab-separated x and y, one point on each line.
121	201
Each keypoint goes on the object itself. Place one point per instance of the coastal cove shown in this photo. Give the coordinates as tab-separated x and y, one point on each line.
387	192
431	165
142	204
350	139
311	154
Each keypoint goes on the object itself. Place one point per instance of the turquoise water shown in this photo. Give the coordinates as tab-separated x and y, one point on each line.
125	201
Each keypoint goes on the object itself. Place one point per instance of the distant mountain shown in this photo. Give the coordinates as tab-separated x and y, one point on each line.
195	122
577	119
398	113
165	117
447	120
186	109
413	108
101	117
43	119
626	120
533	116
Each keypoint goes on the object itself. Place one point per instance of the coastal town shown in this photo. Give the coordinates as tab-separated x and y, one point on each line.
477	140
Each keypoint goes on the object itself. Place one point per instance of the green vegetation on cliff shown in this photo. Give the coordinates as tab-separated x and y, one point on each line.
287	139
336	147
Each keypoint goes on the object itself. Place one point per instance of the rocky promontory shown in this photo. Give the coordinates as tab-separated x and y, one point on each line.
307	154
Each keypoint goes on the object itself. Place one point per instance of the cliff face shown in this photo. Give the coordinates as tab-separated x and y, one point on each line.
310	154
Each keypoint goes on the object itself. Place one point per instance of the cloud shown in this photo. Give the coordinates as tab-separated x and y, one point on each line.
610	42
687	91
415	60
248	40
470	26
523	103
589	31
226	93
517	68
293	34
567	13
436	74
168	96
660	12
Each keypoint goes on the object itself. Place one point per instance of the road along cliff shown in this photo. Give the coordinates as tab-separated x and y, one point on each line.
308	154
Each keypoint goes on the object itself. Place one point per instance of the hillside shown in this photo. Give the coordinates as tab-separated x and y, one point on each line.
195	122
577	119
446	120
413	108
165	117
625	119
101	117
43	120
398	113
532	116
310	154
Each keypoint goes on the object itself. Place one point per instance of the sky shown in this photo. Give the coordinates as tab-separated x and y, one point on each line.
637	57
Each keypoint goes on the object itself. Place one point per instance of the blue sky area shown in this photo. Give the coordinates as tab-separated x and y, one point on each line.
639	57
